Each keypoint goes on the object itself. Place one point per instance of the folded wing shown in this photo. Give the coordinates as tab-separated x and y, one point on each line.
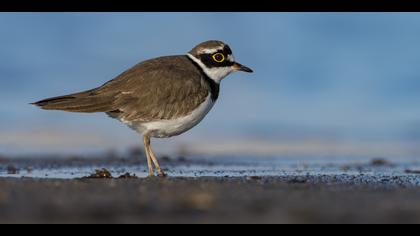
157	89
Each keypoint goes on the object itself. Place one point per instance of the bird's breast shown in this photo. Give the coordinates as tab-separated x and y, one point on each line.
173	127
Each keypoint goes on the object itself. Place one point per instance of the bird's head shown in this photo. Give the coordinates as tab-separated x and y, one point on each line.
216	59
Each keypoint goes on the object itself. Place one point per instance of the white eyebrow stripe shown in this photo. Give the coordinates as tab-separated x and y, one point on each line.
211	50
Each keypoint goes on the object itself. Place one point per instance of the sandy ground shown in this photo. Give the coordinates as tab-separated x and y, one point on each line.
374	192
203	200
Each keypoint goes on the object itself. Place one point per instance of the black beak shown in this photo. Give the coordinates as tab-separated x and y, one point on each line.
239	67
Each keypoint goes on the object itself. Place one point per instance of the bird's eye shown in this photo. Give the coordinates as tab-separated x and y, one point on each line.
218	57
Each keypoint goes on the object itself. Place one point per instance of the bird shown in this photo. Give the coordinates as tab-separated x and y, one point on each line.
160	97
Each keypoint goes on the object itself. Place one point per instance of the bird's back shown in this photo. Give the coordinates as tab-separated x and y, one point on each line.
156	89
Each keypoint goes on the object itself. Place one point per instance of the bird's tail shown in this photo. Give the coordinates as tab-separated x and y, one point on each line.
79	102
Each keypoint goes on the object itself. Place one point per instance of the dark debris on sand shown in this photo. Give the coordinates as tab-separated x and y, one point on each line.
100	174
106	174
128	176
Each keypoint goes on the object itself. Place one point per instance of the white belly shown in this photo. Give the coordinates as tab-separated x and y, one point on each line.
169	128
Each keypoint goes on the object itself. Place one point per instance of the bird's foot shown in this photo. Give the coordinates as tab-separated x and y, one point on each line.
162	174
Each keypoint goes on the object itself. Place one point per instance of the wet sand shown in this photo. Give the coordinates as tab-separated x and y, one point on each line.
375	192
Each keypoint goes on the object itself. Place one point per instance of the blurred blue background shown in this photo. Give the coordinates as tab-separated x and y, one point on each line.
324	83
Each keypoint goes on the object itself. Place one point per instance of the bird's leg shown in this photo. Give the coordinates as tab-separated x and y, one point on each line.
155	161
146	140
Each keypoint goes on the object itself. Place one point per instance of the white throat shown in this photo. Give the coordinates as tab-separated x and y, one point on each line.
216	73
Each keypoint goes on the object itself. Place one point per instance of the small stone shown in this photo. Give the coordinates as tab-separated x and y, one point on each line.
12	170
379	162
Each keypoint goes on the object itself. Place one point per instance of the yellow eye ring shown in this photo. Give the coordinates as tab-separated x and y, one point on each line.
218	57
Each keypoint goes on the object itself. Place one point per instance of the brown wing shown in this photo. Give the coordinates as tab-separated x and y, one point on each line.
162	88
